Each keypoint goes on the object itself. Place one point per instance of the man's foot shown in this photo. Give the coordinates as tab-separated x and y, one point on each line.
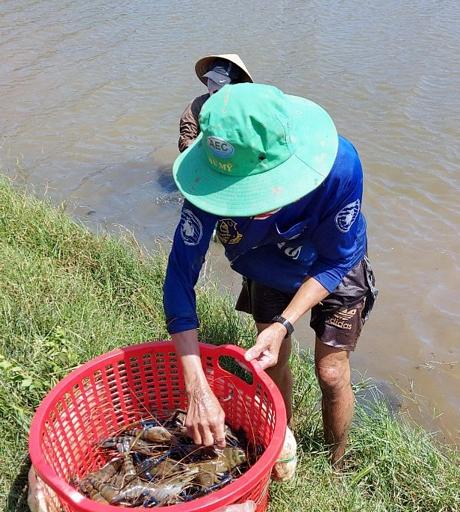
286	464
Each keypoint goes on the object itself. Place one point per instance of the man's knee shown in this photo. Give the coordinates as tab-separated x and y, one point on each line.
333	372
332	379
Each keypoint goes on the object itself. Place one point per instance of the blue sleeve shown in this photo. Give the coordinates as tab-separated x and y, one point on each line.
190	244
340	238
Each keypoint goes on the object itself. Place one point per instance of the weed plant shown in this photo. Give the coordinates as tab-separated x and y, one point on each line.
68	295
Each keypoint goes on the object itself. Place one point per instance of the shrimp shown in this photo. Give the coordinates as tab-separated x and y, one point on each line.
159	435
211	471
161	493
107	491
89	485
127	443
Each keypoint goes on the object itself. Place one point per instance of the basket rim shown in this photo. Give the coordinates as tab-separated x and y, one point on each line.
216	499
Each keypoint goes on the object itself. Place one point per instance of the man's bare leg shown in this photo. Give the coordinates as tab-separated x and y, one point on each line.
281	373
333	372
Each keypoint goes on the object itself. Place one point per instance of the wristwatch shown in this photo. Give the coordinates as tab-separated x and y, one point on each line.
280	319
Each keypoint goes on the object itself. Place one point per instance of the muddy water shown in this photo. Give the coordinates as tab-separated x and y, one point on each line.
90	95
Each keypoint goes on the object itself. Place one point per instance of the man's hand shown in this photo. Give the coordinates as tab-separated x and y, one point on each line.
267	347
205	417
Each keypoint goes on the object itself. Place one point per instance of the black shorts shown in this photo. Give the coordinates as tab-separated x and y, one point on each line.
337	320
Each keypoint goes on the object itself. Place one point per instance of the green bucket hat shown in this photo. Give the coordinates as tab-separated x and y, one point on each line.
259	149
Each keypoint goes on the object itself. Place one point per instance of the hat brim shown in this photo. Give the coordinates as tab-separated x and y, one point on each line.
202	66
245	196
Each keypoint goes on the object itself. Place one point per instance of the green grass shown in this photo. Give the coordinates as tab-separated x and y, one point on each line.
68	295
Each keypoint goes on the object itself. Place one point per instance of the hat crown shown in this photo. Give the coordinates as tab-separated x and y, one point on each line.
202	66
246	129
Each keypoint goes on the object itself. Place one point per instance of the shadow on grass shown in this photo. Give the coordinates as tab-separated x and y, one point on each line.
17	497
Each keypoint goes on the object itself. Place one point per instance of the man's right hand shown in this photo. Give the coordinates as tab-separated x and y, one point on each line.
205	420
205	417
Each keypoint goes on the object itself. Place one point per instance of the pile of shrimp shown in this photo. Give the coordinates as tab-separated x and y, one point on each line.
152	464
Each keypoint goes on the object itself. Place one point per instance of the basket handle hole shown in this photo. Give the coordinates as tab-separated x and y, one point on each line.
236	368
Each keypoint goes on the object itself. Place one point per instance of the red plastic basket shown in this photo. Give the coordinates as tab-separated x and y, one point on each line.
121	387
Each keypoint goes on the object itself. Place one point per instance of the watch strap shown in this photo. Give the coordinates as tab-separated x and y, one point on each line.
286	323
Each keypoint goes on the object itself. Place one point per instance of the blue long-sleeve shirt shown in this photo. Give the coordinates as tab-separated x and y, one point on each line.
322	235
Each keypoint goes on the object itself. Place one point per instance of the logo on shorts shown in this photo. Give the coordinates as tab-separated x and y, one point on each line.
191	229
347	215
341	319
220	147
227	232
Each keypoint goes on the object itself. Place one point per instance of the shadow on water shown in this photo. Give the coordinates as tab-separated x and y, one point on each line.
140	195
374	392
168	193
17	497
165	179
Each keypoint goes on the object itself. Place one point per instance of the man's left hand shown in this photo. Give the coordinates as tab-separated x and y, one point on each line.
267	347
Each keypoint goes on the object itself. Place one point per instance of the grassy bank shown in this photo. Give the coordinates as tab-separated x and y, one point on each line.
67	295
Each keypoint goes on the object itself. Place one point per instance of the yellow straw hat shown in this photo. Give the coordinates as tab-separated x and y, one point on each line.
202	66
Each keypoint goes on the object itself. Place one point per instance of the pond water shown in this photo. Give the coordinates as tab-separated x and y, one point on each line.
91	93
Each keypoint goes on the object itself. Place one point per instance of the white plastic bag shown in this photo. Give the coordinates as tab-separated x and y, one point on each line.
286	464
248	506
36	497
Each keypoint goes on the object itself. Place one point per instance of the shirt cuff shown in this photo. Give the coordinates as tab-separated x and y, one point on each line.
180	324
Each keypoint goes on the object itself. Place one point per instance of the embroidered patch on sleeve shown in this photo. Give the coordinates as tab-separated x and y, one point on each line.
347	215
227	231
191	229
